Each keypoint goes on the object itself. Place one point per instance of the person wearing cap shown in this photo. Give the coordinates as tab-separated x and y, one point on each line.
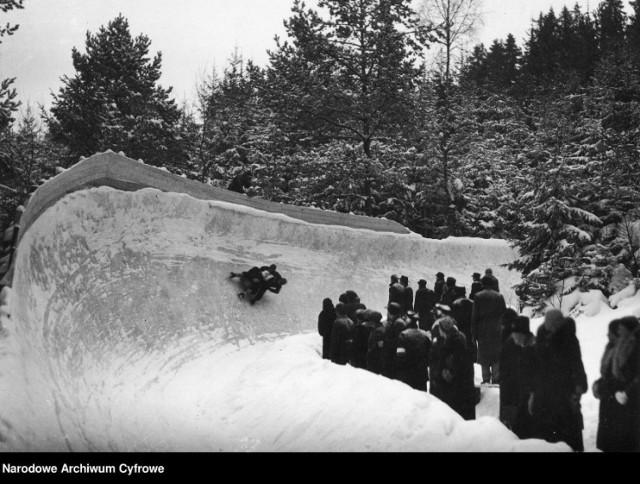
486	330
352	304
407	295
558	382
618	388
395	325
449	291
395	291
476	285
325	324
341	336
424	305
516	369
412	355
375	343
361	333
456	386
494	280
438	286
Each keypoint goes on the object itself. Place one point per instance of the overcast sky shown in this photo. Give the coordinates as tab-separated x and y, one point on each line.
193	35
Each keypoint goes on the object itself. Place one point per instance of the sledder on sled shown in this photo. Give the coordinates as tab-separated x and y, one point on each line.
258	280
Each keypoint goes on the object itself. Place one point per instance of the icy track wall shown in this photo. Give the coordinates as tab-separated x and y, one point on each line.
113	290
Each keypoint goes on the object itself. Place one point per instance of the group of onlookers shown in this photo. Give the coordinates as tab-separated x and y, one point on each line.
432	340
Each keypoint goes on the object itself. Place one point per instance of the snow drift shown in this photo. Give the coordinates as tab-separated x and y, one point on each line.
125	333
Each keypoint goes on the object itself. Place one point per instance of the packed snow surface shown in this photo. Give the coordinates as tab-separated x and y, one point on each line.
123	332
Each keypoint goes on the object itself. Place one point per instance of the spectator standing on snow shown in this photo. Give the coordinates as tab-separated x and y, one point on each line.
395	291
439	286
395	325
361	334
618	388
488	308
494	280
424	305
506	323
407	295
352	304
516	370
461	312
412	355
559	380
376	343
325	325
457	386
449	291
341	336
476	285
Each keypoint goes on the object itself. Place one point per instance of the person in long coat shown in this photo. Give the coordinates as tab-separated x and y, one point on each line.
407	295
375	343
457	387
488	307
559	380
424	305
395	291
361	333
438	286
395	325
618	388
325	324
495	284
461	311
476	285
412	355
449	292
516	371
341	336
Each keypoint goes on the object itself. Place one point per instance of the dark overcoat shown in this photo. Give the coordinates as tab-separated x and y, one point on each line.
486	326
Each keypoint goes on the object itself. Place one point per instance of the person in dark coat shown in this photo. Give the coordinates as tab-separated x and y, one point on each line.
439	286
488	308
558	382
241	182
461	312
618	388
325	324
257	280
424	305
449	292
395	291
476	285
352	304
506	322
494	280
436	360
457	387
341	336
407	295
395	325
361	333
412	355
376	342
516	371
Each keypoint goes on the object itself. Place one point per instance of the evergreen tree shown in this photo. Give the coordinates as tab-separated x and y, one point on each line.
114	102
8	104
349	72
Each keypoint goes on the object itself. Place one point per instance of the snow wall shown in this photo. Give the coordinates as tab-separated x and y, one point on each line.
121	326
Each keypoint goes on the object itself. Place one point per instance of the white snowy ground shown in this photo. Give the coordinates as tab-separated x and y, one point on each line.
126	335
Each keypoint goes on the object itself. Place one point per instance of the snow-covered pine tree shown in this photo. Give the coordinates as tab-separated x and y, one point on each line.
114	102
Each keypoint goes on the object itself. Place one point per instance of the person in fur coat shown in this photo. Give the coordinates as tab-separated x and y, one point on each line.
559	380
618	388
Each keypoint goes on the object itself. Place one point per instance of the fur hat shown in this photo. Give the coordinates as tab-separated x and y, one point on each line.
521	324
553	320
404	279
394	308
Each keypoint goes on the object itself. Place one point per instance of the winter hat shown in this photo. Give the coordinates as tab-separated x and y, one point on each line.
451	281
422	283
486	281
375	317
475	276
489	272
351	295
404	279
394	308
521	324
553	320
394	278
440	275
447	324
327	304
